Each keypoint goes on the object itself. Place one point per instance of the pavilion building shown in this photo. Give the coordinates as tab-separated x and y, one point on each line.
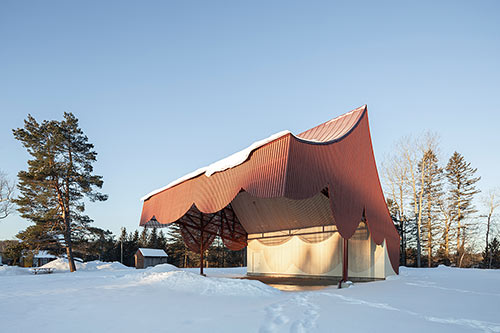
307	205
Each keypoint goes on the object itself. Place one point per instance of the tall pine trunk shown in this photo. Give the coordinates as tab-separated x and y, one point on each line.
68	242
447	241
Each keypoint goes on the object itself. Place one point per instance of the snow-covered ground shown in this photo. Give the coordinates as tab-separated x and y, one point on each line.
108	297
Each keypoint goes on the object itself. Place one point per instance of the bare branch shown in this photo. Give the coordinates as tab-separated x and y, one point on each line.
7	189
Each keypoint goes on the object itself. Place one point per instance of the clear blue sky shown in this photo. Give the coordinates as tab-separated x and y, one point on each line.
162	87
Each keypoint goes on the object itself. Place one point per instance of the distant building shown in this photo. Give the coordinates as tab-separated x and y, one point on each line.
149	257
42	258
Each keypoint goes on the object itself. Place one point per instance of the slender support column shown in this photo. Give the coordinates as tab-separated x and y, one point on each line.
345	261
201	258
201	244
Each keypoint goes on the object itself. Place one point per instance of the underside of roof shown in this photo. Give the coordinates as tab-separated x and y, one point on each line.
324	176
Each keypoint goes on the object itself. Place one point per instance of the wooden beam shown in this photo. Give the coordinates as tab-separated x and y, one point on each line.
211	233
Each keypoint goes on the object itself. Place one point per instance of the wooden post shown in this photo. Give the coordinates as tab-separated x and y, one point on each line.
345	261
201	258
201	244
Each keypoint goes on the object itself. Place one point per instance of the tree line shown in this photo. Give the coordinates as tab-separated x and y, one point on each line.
433	206
217	255
99	244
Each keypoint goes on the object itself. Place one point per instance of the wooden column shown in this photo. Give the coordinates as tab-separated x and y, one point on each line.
345	261
201	244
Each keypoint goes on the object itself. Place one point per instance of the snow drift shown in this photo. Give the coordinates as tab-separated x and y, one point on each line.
62	265
13	270
170	277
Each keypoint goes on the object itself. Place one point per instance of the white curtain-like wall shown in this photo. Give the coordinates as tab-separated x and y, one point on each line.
316	252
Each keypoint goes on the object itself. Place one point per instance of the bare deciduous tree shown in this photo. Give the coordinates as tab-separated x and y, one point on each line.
396	180
6	194
492	201
405	174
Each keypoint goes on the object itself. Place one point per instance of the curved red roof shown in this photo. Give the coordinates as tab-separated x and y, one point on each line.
335	158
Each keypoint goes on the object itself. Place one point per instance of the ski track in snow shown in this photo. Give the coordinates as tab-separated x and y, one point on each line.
470	323
433	285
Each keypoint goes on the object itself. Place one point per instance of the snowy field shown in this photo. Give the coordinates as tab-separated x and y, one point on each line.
109	297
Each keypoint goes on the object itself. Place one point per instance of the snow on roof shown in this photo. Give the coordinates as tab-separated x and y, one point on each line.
44	254
152	252
221	165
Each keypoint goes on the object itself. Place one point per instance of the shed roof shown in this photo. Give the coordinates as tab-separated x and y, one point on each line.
152	252
44	254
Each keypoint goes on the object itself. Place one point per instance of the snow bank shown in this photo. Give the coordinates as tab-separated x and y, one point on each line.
170	277
108	266
62	265
13	270
221	165
163	268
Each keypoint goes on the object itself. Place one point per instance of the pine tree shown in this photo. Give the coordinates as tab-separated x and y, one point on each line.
432	191
100	244
493	258
59	176
153	239
423	171
462	182
132	246
178	253
162	240
399	223
144	238
13	251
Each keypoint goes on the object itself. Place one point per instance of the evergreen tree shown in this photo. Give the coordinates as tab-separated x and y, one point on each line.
432	191
135	237
162	240
59	176
492	257
153	239
399	223
132	247
128	246
13	252
144	238
36	237
462	182
98	245
178	253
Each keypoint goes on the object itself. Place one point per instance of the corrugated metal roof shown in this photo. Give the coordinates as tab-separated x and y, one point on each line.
336	155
